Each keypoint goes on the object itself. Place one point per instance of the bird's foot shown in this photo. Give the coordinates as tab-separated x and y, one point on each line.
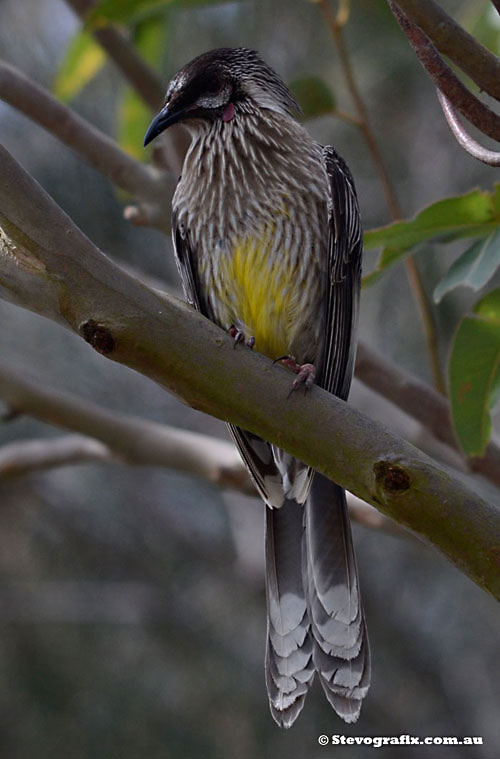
239	337
306	373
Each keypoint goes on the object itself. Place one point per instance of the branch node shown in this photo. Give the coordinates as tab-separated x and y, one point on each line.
391	477
98	336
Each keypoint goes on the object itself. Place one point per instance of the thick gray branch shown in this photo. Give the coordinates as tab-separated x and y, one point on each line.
149	186
176	347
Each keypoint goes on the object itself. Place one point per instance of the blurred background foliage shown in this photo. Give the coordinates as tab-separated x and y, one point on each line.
132	602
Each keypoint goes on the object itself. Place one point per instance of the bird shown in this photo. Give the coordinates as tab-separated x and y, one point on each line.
268	242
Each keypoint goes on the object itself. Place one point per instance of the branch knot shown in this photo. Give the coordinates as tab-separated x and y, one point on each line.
98	336
391	477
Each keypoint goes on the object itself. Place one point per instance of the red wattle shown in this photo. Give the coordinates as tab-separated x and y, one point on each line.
228	113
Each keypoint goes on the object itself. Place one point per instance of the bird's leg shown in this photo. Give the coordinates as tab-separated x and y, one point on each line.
306	373
239	337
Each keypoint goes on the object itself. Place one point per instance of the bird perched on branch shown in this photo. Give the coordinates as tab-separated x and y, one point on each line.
268	243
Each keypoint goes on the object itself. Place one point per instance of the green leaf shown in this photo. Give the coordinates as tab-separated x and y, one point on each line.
474	268
475	214
83	60
474	374
129	11
122	11
313	95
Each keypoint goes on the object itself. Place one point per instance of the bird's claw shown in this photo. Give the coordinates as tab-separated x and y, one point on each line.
239	337
306	373
306	376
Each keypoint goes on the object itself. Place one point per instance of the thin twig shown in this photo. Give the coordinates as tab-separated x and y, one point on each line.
347	117
446	80
124	55
427	317
25	456
149	185
490	157
362	113
335	24
141	77
482	66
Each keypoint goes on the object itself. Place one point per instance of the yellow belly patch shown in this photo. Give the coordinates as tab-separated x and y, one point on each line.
263	296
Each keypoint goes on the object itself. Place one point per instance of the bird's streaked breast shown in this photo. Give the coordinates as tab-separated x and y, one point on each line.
255	209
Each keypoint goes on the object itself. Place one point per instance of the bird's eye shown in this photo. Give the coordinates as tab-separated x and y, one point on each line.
213	86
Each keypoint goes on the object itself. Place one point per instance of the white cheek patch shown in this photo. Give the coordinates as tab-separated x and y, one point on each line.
176	85
216	99
211	101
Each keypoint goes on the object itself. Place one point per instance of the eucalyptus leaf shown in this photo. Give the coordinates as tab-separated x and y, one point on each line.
474	268
123	12
475	214
474	374
313	95
84	58
129	11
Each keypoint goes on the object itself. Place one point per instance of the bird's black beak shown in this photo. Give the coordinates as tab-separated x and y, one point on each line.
165	118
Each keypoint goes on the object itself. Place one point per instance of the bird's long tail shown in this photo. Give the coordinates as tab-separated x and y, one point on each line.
315	615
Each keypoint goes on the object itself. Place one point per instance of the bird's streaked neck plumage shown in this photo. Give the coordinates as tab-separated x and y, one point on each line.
255	161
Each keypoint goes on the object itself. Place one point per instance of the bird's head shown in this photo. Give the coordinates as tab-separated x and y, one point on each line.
215	85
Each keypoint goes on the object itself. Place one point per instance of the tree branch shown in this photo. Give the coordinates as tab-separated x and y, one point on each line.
141	77
445	80
119	48
421	402
130	440
150	186
450	39
127	438
27	456
168	341
490	157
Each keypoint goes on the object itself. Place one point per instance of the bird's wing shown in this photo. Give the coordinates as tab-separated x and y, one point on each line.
255	452
341	652
345	243
186	265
